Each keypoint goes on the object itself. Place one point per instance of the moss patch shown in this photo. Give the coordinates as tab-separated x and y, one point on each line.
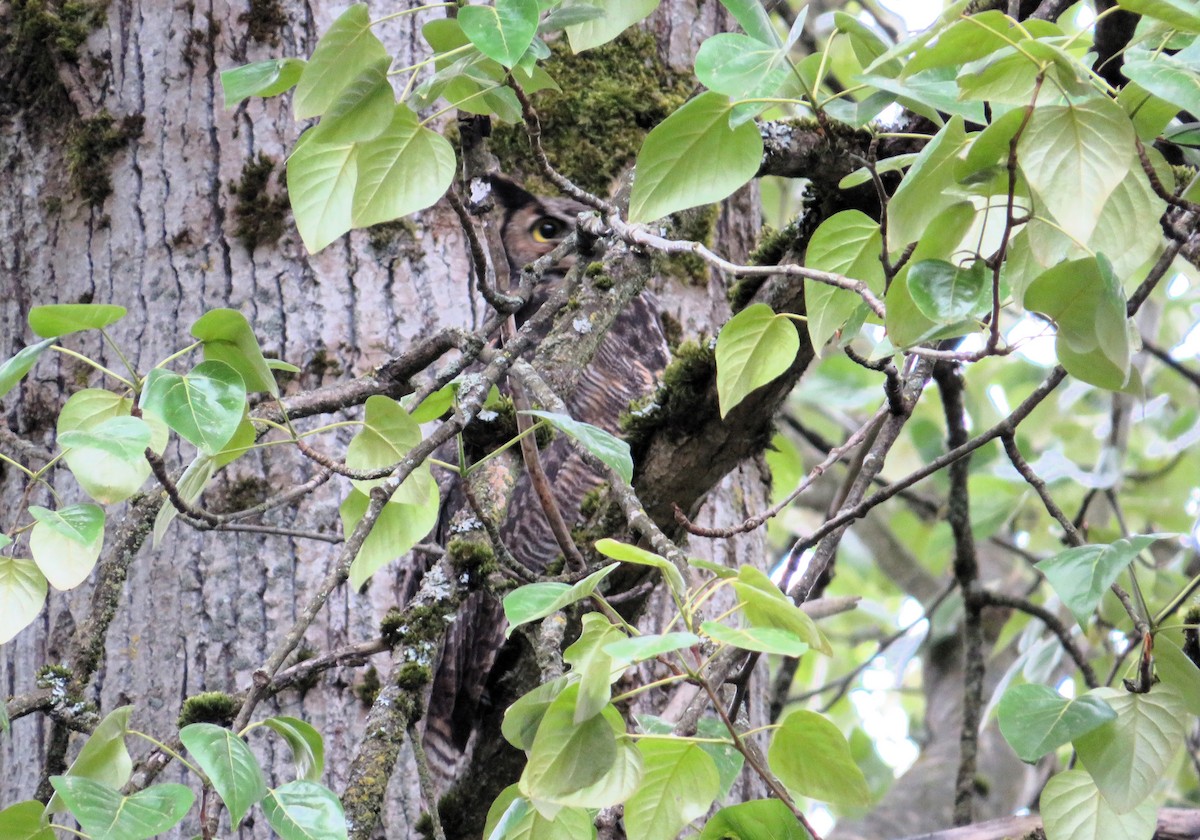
369	688
259	215
215	707
677	402
91	146
697	224
34	35
611	97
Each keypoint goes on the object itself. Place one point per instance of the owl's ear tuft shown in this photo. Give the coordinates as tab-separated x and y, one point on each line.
509	194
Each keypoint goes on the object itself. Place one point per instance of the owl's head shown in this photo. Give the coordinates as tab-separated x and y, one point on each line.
531	225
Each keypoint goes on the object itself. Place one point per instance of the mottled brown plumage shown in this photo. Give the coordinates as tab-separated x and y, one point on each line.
625	368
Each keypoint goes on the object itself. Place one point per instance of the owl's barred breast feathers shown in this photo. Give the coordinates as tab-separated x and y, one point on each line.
626	367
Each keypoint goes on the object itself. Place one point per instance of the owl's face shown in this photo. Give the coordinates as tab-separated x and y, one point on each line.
532	225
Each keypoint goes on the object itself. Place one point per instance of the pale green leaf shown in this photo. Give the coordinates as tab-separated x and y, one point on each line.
639	648
753	18
362	109
609	449
1175	668
260	78
66	543
109	460
25	821
946	293
567	756
674	166
501	32
639	556
538	600
1073	157
764	605
523	717
305	742
761	639
929	187
405	169
229	338
513	817
346	49
1073	809
304	810
741	67
388	433
60	319
1082	575
755	347
811	757
22	594
847	243
321	183
679	784
1036	719
205	406
596	668
105	814
13	370
619	15
191	486
229	765
761	819
617	785
400	526
1128	757
1181	14
104	757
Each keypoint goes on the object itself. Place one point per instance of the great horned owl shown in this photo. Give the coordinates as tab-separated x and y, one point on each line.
625	368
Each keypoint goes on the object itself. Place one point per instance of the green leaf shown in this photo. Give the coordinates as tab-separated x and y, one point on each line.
946	293
753	18
568	756
609	449
1176	669
22	594
619	783
86	409
60	319
362	110
762	819
1087	304
1129	756
107	815
103	758
1036	719
305	742
619	15
847	243
190	486
679	784
596	669
523	717
674	166
228	338
405	169
1073	157
321	180
639	556
761	639
565	16
347	49
205	406
1169	79
1082	575
388	433
230	766
764	605
261	78
502	32
1074	809
435	405
725	756
741	67
109	460
1180	14
13	370
755	347
513	817
538	600
304	810
811	757
24	821
929	187
401	525
66	543
639	648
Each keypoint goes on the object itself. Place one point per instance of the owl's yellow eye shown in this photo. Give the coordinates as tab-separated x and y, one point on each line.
547	229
